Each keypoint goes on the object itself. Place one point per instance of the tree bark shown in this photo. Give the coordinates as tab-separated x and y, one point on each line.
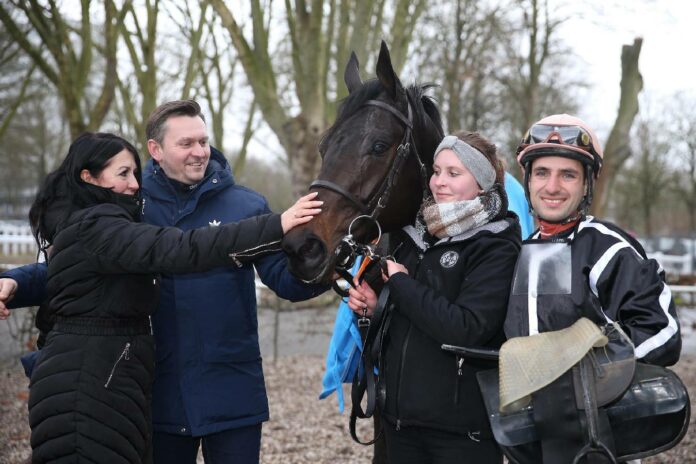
70	67
617	149
312	36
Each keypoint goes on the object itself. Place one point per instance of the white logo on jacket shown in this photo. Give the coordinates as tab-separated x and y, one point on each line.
449	259
214	223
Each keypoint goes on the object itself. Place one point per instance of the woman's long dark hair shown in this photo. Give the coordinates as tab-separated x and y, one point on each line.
63	191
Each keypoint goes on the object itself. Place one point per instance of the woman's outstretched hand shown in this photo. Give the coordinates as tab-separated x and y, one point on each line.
8	287
301	212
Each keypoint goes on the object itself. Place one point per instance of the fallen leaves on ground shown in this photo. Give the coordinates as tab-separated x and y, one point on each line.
302	428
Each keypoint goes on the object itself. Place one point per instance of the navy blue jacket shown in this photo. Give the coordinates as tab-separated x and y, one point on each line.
209	376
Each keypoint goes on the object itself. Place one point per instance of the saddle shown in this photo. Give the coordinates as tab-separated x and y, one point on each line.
647	407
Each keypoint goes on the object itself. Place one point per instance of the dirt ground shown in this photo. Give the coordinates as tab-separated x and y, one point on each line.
302	429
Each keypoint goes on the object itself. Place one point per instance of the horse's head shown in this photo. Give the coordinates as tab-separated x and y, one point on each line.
363	170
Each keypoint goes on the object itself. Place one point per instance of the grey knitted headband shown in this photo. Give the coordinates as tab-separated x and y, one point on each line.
471	158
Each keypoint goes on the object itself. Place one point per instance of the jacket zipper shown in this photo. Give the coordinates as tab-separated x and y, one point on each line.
259	249
403	358
460	363
401	371
125	354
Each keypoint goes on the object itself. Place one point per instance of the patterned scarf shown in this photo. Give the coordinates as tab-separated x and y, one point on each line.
455	218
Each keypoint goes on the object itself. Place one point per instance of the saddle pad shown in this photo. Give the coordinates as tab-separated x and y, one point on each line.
528	364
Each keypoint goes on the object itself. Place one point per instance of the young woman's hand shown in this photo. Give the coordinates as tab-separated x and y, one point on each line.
393	268
362	300
8	287
301	212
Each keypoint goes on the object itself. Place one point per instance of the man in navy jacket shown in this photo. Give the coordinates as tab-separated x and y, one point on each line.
209	387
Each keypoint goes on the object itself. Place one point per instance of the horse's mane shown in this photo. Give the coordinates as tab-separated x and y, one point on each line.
425	108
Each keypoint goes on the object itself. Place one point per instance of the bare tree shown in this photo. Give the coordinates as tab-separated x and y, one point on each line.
321	35
617	149
531	80
458	47
190	60
139	33
684	150
501	65
30	137
642	180
217	66
63	50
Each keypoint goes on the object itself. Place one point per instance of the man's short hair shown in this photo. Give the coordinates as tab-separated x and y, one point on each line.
157	121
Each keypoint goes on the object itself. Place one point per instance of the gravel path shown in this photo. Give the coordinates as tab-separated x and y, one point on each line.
301	430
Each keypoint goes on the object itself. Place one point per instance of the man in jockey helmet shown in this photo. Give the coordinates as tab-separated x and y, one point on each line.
579	266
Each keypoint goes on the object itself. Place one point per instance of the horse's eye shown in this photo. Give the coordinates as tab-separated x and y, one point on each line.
379	147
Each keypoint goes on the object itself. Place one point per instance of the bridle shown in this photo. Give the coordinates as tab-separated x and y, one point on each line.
348	249
380	198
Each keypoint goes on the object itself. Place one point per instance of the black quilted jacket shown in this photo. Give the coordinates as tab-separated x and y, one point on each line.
90	390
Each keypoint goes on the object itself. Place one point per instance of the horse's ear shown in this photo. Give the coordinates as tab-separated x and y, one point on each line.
385	73
352	74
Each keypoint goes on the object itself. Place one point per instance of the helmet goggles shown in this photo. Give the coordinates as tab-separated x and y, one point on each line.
574	136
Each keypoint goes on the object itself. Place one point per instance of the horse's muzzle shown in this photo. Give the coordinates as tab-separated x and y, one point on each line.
307	255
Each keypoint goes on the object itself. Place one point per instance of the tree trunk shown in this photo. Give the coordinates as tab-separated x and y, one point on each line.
300	140
617	149
313	40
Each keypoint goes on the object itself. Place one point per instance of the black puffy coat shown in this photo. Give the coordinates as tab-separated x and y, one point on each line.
90	389
456	293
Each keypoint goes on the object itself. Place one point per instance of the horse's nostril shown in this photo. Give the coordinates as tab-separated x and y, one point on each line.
311	248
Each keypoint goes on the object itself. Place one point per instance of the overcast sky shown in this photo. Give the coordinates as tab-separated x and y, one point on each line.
595	31
667	59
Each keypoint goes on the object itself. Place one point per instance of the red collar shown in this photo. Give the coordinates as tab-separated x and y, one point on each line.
550	229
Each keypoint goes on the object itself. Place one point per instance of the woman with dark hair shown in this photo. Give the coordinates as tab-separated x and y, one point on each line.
449	284
90	388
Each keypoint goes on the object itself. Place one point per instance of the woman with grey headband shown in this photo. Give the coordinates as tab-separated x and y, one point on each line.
449	284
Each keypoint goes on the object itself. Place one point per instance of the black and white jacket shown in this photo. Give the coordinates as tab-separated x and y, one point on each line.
612	280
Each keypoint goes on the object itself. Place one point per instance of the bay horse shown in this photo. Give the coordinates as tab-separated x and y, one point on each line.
376	161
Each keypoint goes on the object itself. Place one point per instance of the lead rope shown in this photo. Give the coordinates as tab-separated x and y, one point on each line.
364	382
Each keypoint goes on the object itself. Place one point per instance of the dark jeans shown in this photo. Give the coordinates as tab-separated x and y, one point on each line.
234	446
421	445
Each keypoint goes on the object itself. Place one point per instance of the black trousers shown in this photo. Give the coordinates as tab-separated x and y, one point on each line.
234	446
422	445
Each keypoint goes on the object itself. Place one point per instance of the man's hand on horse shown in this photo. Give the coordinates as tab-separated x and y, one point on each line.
8	287
362	300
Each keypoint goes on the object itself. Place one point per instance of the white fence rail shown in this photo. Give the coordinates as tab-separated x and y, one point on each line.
674	264
16	240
